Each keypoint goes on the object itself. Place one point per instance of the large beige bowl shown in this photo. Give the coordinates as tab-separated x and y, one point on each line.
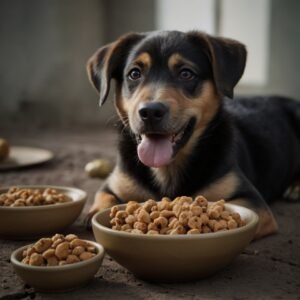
32	221
57	278
174	258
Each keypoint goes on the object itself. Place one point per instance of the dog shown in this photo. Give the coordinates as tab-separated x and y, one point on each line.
183	133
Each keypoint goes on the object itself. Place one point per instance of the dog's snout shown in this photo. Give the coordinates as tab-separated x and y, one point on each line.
154	111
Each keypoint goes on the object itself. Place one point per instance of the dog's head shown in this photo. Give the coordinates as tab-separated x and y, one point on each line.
169	86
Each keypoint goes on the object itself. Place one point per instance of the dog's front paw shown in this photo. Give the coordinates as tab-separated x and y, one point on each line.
102	201
292	194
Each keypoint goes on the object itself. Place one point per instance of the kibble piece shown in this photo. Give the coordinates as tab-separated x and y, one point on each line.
125	227
78	242
71	237
200	200
204	218
154	214
86	255
62	250
161	222
206	229
184	217
52	261
57	242
113	211
148	205
116	221
78	250
143	216
25	260
92	248
71	259
140	226
174	223
130	219
42	245
121	214
196	210
167	214
131	207
57	236
152	226
232	224
48	253
164	204
195	222
36	259
116	227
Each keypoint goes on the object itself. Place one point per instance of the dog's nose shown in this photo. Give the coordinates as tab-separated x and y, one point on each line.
153	111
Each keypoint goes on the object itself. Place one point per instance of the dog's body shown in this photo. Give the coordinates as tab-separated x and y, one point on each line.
181	135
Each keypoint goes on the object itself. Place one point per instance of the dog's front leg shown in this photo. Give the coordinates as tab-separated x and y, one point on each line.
102	201
267	224
119	188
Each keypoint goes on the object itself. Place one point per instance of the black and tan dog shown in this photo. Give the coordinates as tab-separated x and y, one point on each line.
180	132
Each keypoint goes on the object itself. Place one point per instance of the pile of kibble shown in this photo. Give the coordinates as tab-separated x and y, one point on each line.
183	215
16	197
58	250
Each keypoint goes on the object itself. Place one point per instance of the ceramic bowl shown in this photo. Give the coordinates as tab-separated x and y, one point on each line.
32	221
175	258
58	278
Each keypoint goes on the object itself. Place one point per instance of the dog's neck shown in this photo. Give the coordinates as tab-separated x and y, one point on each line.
202	160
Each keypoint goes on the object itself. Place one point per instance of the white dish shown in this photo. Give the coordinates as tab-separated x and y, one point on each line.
20	156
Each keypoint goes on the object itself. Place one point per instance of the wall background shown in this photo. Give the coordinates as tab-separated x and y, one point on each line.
45	45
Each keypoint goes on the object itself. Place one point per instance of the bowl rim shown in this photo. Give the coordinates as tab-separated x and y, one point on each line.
82	196
211	235
13	258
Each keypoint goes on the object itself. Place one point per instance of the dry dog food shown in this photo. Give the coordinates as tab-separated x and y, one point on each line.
58	250
31	197
183	215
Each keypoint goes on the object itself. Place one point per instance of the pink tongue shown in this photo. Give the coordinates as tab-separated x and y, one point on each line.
155	151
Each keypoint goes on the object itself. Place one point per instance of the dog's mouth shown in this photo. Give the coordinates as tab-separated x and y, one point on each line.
157	149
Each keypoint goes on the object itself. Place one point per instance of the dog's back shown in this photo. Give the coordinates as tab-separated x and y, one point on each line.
268	139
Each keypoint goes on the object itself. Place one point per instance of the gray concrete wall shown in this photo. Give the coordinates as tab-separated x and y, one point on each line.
44	48
45	45
284	58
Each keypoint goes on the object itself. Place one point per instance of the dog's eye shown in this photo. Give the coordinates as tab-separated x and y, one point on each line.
186	74
134	74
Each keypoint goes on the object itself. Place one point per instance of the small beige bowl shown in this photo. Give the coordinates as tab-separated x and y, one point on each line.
32	221
175	258
58	278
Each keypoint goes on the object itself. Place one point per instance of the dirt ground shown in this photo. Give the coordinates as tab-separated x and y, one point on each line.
267	269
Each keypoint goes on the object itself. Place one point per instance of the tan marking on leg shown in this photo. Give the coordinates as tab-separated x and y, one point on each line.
223	188
126	187
102	201
267	224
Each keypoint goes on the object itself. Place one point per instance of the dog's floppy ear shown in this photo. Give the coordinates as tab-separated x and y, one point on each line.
228	60
108	62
